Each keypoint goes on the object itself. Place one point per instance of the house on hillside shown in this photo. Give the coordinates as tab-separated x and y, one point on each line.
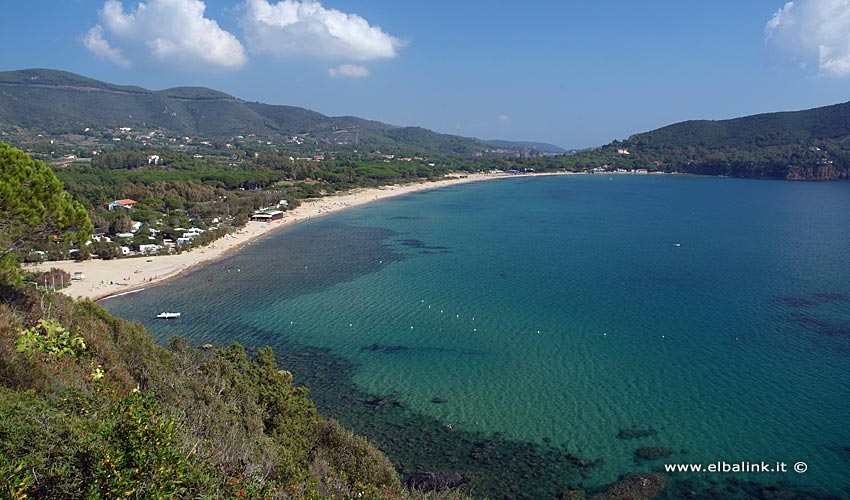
126	204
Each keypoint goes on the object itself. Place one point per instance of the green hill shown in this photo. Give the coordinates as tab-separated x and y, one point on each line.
56	78
765	130
809	144
53	102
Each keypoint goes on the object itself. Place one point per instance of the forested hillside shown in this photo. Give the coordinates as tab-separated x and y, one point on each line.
810	144
56	102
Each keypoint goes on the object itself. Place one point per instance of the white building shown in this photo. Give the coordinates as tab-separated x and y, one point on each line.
149	249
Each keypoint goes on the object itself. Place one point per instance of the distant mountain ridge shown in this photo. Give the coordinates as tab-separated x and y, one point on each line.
59	102
537	146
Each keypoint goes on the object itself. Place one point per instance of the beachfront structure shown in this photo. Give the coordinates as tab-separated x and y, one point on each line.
267	215
149	249
126	204
193	233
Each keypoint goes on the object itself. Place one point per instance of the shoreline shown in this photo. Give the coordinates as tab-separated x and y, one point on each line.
107	278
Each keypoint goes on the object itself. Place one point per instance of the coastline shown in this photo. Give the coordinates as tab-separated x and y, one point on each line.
104	279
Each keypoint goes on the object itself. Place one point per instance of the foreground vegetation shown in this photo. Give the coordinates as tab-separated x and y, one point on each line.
92	408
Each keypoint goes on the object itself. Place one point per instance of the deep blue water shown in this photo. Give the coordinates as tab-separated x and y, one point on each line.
560	310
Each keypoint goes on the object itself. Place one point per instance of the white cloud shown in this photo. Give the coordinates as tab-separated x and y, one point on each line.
504	118
93	40
305	27
349	70
170	31
815	33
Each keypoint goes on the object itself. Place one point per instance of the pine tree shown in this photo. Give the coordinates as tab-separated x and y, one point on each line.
33	206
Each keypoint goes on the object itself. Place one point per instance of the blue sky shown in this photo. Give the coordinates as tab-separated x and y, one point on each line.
572	73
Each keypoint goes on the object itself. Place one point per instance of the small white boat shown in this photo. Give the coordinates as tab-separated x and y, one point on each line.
167	315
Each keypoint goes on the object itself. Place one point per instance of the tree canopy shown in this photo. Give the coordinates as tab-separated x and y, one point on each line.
33	206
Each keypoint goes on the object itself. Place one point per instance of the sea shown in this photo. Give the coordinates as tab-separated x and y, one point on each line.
552	333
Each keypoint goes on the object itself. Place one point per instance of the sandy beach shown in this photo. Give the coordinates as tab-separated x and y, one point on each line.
104	278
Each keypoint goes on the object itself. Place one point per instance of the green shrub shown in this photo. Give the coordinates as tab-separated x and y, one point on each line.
138	457
50	338
353	458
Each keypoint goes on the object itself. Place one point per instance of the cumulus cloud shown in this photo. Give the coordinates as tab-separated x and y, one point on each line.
815	33
305	27
94	41
349	71
170	31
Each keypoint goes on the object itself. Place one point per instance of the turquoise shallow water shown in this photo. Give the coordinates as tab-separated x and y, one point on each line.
560	310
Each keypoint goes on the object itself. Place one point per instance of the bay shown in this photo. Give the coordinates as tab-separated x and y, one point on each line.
521	324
